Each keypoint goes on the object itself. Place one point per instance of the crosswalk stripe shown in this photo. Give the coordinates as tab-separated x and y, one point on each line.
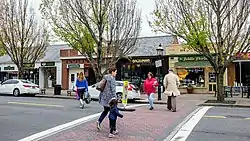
35	104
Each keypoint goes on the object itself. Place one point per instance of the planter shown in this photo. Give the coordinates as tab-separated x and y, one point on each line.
190	90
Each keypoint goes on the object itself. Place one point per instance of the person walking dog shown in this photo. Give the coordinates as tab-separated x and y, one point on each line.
171	84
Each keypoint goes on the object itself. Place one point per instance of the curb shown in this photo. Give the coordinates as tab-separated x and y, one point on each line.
225	105
146	102
53	96
142	101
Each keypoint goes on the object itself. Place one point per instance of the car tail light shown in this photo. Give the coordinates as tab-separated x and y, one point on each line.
26	86
129	87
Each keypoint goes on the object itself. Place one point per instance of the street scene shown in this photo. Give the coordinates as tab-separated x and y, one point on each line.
125	70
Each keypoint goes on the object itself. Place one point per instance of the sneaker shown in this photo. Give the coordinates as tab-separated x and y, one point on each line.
151	108
98	126
115	132
111	135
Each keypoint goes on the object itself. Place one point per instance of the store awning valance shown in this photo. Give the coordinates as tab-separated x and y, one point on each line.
188	64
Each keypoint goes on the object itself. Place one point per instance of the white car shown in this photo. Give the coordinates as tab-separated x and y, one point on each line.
133	91
18	86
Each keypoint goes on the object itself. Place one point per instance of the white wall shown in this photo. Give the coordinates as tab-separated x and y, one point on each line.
41	78
58	72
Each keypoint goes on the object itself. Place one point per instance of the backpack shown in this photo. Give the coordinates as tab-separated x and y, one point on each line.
101	85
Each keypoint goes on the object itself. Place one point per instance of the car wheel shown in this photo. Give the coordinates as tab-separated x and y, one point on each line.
119	97
16	92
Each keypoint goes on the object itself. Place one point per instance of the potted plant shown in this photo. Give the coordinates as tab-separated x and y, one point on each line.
190	89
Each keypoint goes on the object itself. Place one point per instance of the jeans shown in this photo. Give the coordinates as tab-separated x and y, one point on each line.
151	100
81	92
112	125
104	114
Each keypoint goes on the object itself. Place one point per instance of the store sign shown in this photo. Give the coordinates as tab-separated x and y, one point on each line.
72	66
243	56
9	68
140	60
192	58
43	64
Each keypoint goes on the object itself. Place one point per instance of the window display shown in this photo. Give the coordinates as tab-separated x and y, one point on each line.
193	76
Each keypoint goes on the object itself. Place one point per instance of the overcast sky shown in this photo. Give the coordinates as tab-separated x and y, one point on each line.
146	6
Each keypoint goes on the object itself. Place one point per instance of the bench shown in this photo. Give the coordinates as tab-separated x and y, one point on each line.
235	90
43	91
69	92
227	90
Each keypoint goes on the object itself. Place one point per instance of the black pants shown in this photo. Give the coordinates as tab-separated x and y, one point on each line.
171	103
112	125
81	93
104	114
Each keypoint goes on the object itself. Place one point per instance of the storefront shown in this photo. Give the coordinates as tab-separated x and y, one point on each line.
8	71
49	74
135	69
70	70
193	70
74	70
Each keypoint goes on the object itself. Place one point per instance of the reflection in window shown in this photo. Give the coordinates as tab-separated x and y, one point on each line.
193	76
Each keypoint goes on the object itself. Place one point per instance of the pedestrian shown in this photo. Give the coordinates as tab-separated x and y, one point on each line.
150	85
82	88
113	114
171	84
107	94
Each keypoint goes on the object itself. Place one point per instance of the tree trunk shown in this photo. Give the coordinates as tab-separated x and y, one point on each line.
220	89
98	74
20	73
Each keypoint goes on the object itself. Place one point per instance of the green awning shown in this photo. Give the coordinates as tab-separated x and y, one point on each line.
192	64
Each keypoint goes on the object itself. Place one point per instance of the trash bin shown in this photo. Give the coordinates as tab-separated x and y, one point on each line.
57	90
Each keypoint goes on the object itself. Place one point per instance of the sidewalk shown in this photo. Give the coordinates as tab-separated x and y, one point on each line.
141	124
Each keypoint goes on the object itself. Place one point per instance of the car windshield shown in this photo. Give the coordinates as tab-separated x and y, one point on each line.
26	81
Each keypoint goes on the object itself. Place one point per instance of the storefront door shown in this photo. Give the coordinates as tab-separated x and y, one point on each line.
212	82
72	79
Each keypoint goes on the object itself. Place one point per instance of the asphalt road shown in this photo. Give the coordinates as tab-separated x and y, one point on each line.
223	124
23	116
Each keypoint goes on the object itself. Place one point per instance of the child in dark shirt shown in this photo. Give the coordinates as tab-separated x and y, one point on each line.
114	112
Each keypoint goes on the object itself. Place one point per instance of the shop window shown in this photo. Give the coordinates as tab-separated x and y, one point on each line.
72	77
193	76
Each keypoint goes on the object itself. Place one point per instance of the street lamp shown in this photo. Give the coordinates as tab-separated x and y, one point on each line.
158	64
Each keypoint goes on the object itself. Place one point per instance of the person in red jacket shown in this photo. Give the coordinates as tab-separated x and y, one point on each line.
150	85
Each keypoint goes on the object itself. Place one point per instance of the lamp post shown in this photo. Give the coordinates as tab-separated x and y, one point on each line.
158	65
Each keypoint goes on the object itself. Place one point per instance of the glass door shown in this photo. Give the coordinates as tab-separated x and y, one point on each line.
212	82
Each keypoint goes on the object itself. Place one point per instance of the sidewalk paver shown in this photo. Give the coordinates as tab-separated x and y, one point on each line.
142	124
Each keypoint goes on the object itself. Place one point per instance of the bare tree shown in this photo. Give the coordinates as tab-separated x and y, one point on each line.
217	29
23	38
102	30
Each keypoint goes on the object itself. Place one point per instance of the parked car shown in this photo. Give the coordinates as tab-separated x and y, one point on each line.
133	91
18	87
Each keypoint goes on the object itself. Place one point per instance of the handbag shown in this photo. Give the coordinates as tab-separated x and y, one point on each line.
101	85
87	97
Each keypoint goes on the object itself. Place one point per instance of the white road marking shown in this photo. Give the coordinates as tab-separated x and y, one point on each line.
185	130
208	116
60	128
35	104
